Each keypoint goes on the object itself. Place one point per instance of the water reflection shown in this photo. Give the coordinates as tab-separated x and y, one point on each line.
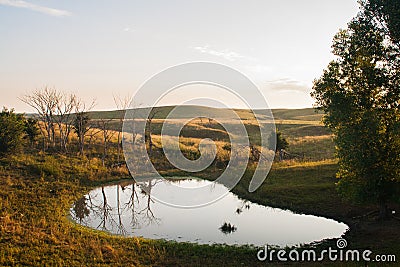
80	209
128	209
228	228
110	209
245	205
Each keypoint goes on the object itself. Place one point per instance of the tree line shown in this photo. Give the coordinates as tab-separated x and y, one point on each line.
61	123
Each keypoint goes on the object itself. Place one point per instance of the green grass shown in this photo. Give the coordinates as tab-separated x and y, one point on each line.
35	229
302	187
37	190
312	147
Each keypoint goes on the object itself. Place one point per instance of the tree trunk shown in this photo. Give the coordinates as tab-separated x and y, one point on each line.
383	211
118	146
81	146
150	144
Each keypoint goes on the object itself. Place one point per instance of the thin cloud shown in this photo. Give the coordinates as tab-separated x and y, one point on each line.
226	53
287	85
128	29
41	9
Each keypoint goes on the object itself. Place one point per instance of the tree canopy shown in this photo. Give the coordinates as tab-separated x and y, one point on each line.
281	142
386	14
360	94
12	127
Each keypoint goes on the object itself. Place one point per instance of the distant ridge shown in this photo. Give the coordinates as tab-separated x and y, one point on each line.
309	114
190	111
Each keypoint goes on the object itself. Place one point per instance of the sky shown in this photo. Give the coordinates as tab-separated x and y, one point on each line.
98	49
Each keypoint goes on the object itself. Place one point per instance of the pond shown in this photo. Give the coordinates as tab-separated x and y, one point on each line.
127	209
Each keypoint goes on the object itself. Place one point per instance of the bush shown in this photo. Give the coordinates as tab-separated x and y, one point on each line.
281	142
12	127
31	129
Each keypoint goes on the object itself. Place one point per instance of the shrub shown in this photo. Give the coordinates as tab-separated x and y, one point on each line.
12	128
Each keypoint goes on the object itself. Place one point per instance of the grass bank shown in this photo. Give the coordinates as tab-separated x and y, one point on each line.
35	229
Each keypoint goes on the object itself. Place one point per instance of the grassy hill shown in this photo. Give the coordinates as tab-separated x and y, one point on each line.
306	114
295	124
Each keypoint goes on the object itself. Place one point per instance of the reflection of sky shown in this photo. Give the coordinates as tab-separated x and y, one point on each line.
257	225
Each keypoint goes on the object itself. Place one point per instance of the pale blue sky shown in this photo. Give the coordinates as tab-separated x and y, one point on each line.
98	48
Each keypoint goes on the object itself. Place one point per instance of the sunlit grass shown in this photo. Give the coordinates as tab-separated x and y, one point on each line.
37	190
36	231
288	164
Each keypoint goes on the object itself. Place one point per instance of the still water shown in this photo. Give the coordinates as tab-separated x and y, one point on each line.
126	209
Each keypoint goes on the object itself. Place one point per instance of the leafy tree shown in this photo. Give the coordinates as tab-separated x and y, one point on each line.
281	142
31	129
359	92
386	15
11	131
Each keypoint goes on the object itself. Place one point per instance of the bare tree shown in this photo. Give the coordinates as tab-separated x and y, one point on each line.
122	104
107	135
149	131
81	123
54	109
45	101
91	134
64	106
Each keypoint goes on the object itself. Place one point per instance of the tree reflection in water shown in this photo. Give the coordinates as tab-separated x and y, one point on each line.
130	205
146	213
244	205
80	210
109	216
